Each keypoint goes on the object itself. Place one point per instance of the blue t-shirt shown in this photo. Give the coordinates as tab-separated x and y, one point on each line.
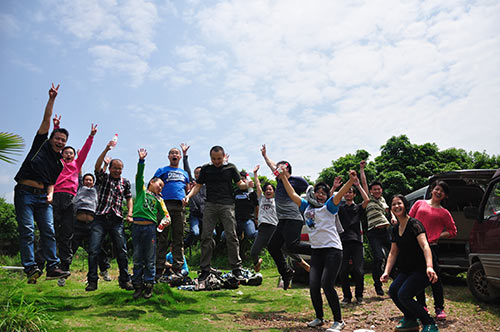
170	259
175	180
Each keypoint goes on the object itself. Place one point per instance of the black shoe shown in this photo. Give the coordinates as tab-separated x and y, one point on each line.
56	273
345	301
33	275
203	275
287	279
148	291
138	291
379	291
359	300
238	275
92	286
127	285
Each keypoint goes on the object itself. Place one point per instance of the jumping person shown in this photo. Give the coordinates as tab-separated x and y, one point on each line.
411	254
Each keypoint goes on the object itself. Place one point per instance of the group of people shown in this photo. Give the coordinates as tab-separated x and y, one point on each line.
70	210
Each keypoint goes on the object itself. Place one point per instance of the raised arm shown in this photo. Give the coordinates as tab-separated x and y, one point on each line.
82	154
363	193
362	174
258	189
185	161
352	178
289	189
269	162
99	161
47	115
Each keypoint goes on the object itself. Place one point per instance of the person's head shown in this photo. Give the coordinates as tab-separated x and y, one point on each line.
174	156
399	206
115	168
58	139
88	180
321	192
217	155
268	190
375	189
439	190
68	154
155	185
288	167
197	171
349	195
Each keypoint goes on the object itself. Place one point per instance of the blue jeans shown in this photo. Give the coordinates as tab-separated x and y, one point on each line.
402	291
30	207
98	230
144	241
246	226
380	245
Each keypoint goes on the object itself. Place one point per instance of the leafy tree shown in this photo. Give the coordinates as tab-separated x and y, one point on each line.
10	144
9	237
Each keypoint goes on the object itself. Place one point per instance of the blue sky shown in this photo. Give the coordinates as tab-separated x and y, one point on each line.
314	80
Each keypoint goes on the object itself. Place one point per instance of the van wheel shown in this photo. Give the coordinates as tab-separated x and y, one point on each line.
478	284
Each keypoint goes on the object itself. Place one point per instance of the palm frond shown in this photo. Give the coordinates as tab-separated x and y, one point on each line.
10	144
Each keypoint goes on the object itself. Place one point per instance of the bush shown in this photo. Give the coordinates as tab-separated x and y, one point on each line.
9	237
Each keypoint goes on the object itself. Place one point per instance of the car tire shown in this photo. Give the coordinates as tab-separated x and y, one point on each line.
479	285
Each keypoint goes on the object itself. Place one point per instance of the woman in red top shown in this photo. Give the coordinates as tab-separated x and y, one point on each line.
438	224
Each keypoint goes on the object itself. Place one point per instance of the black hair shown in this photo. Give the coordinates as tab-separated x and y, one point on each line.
153	179
264	186
403	199
114	160
69	147
217	148
243	174
354	190
442	184
88	174
323	186
197	167
59	130
375	183
288	167
174	148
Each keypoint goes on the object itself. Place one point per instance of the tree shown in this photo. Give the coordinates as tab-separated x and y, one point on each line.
9	237
10	144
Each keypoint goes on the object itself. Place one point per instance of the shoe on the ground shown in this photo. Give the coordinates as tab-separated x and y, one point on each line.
203	275
61	282
359	300
33	275
336	327
345	301
287	279
440	313
407	325
430	328
92	286
127	285
105	275
316	322
238	275
56	273
256	267
148	291
138	288
379	291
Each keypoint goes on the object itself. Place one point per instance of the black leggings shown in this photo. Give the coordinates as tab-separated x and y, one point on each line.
325	266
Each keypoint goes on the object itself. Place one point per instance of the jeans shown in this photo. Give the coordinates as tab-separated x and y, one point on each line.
264	235
64	227
113	226
213	213
380	245
287	232
352	250
81	238
437	287
325	266
246	227
403	289
30	207
144	241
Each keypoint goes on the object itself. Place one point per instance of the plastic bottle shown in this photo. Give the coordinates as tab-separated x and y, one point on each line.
280	169
114	140
250	189
164	222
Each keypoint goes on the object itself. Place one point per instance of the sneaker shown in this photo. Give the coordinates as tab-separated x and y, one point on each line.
33	275
105	275
238	275
61	282
127	285
287	279
430	328
359	300
138	291
148	291
345	301
336	327
56	273
407	325
379	291
203	275
256	267
440	314
316	322
92	286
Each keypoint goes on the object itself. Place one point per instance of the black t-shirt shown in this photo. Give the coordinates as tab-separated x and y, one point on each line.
411	257
42	163
218	181
350	218
244	204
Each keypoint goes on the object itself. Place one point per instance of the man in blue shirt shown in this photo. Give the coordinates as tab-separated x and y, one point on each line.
174	191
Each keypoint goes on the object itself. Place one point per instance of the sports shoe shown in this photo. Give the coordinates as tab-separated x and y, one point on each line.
336	327
238	275
316	322
33	275
379	291
407	325
440	313
105	275
138	291
256	267
203	275
345	301
287	279
127	285
430	328
61	282
92	286
148	291
359	300
56	273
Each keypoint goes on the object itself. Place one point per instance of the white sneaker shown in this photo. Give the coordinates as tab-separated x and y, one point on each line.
316	322
336	327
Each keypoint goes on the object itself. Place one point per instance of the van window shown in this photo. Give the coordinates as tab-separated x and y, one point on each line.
493	203
462	196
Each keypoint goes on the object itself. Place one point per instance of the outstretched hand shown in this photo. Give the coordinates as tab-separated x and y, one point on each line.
53	91
256	168
362	164
184	148
263	150
56	121
226	157
353	175
142	153
337	182
107	160
93	129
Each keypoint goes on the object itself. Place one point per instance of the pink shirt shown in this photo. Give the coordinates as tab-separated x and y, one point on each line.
435	220
67	182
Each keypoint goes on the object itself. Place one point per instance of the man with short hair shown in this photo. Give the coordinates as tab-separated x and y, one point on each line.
33	196
218	176
174	191
113	188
